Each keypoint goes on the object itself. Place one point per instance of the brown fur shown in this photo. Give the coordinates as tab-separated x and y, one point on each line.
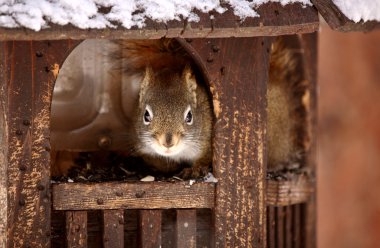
169	86
286	113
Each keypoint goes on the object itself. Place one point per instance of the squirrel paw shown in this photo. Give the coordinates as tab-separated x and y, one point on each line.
193	173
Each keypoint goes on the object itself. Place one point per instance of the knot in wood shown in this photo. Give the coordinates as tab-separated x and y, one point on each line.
140	194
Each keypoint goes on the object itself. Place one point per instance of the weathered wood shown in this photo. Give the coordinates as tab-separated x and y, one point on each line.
150	228
274	19
288	226
3	148
76	229
271	227
338	21
296	190
27	79
297	226
138	195
113	228
280	237
237	69
186	228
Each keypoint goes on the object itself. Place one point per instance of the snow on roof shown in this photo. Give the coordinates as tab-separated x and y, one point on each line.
37	14
357	10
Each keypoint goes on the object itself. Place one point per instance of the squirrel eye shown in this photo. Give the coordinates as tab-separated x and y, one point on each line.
188	116
148	116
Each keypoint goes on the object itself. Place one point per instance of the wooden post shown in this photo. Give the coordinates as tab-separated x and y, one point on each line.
28	70
237	69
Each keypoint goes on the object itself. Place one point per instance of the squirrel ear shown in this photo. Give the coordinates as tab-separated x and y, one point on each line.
145	81
191	82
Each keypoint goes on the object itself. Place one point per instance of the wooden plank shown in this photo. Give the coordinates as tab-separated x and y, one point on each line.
297	226
113	228
280	216
186	228
296	190
271	225
338	21
3	147
150	228
274	19
139	195
76	229
237	69
28	84
288	226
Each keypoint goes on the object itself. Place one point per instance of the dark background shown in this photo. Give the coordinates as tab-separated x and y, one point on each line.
349	140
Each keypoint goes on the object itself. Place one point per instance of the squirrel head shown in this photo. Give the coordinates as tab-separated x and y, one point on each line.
169	118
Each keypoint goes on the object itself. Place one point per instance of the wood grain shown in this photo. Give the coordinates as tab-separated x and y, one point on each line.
274	19
288	192
150	228
3	148
186	228
28	82
338	21
76	229
237	69
113	228
76	196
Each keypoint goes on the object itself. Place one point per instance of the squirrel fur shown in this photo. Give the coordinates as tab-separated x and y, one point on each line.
172	118
168	88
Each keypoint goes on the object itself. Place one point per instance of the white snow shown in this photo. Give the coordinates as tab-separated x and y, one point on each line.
357	10
37	14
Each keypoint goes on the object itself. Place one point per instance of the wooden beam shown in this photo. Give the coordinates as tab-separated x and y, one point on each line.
3	148
28	71
132	195
237	69
274	19
338	21
78	196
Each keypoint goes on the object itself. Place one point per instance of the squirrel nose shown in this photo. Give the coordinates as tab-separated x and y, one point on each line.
168	140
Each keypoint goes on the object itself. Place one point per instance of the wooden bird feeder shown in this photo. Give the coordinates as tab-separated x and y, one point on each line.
245	209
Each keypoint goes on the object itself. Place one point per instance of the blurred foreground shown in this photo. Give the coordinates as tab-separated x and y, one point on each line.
349	140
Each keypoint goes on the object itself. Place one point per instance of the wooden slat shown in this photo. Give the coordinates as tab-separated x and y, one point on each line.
186	228
113	228
150	228
76	229
338	21
27	81
4	79
297	226
280	238
288	226
237	69
296	190
271	227
274	19
138	195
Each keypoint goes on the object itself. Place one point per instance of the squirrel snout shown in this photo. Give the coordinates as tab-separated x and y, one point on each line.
168	140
